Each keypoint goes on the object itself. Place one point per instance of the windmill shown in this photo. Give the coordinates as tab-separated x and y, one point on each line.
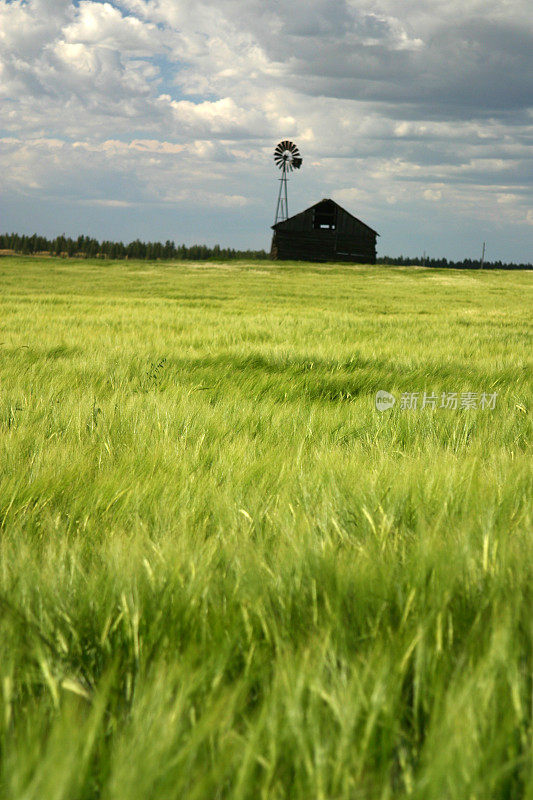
287	157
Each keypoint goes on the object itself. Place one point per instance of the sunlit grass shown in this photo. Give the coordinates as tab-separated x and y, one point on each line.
223	573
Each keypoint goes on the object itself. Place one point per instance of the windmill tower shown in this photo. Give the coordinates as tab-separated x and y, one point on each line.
287	157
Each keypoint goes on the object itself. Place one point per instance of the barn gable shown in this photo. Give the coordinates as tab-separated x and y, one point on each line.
324	232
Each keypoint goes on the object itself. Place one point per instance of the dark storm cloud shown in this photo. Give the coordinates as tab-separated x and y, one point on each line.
477	68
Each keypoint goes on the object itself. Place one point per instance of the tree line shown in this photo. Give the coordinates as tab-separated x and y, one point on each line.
87	247
465	263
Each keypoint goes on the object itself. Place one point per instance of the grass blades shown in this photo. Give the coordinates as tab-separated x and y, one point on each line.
224	573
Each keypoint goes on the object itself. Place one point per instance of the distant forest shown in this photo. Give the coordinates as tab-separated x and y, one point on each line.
86	247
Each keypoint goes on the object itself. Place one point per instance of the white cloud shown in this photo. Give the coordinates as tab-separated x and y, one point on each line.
102	24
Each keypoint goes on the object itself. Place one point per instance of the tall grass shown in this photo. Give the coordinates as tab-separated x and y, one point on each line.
223	573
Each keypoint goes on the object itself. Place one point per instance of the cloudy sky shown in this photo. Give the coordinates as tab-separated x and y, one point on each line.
158	118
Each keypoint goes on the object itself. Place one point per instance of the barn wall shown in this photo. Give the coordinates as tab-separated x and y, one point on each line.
351	241
322	246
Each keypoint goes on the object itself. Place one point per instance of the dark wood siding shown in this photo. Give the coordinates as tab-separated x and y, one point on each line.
342	237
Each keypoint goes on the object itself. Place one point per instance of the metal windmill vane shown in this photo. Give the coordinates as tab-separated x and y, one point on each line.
287	158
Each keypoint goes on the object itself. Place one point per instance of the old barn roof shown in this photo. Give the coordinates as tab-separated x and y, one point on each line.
287	222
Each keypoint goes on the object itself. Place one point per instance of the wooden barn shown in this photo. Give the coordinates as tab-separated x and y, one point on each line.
324	232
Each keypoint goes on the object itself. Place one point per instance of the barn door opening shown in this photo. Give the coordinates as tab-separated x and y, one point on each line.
325	216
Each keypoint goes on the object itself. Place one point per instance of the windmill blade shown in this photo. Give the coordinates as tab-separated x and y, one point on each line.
287	156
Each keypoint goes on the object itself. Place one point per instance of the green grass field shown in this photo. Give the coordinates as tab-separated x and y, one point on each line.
224	573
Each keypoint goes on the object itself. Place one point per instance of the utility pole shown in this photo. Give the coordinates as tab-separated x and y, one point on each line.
482	257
